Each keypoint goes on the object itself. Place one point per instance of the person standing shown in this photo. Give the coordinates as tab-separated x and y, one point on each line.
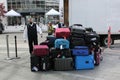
50	29
1	26
30	34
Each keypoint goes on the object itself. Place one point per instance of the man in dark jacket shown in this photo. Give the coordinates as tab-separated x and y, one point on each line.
30	34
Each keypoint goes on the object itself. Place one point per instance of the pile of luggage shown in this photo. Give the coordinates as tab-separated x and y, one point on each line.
68	49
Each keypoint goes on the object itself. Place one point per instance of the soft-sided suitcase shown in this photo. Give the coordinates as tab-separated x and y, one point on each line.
91	37
62	64
58	53
84	62
77	41
62	43
62	32
77	28
97	58
45	43
45	63
51	40
34	63
80	51
78	35
40	50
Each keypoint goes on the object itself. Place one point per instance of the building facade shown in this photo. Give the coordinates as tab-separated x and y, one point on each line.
31	8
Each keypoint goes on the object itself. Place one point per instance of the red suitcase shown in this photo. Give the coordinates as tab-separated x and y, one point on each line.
40	50
62	32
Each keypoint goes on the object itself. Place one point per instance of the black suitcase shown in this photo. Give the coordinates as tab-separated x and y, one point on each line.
34	63
45	63
51	39
58	53
77	41
62	64
91	37
79	35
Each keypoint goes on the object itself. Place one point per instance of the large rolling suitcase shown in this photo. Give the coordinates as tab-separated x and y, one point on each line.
80	51
34	63
62	64
45	63
40	50
84	62
62	32
62	43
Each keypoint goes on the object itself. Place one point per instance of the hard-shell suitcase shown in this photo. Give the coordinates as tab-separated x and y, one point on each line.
34	63
84	62
62	32
40	50
80	51
62	64
62	43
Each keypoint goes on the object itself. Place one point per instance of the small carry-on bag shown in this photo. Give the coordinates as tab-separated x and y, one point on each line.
80	51
62	43
40	50
62	64
62	32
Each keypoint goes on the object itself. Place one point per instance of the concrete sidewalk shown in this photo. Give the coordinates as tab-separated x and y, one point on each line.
19	69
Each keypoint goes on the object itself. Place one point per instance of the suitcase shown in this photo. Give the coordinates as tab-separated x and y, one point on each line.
45	63
34	63
62	64
77	41
44	43
97	58
80	51
40	50
77	28
57	53
62	32
78	35
91	37
84	62
62	43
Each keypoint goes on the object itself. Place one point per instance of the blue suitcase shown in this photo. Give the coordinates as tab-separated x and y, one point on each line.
62	43
80	51
84	62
